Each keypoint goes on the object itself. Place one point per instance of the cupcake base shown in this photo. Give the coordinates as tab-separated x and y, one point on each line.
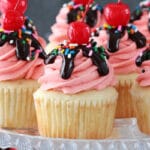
141	97
17	109
125	106
86	115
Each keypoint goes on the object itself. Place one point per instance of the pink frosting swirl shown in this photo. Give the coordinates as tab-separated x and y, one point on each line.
142	25
59	29
123	60
11	68
84	77
144	77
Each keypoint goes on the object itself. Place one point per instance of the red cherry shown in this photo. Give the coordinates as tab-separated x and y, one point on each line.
79	32
83	2
13	20
19	5
117	14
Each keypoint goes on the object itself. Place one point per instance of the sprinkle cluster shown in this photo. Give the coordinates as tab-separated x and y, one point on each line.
23	39
108	27
29	27
69	51
116	33
76	12
71	5
92	48
131	29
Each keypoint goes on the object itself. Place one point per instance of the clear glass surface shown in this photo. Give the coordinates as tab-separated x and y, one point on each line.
125	136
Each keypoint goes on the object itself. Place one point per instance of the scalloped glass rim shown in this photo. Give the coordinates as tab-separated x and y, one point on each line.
125	136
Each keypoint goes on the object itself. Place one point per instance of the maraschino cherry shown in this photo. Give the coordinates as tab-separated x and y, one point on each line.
83	2
117	14
79	32
13	20
19	5
13	14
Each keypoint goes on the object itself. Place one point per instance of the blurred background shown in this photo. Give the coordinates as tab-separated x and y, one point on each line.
43	12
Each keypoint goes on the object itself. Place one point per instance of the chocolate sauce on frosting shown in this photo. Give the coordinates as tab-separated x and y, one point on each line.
138	12
76	13
116	33
23	39
136	36
114	40
68	54
143	57
29	25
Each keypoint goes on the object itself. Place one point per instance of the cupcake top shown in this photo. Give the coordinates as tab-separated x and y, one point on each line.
122	40
141	10
75	68
143	61
76	12
141	18
20	50
123	45
20	56
71	12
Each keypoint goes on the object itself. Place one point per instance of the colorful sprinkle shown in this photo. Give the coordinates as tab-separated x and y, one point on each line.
90	53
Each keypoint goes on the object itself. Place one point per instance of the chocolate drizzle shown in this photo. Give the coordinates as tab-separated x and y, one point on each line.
138	12
68	53
76	13
68	56
116	33
143	57
136	36
29	25
98	56
91	17
23	41
114	40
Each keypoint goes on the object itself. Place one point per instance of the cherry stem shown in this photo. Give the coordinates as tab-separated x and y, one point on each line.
86	9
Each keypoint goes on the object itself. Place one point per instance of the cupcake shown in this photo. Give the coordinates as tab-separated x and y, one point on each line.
123	43
141	18
20	67
76	98
141	92
73	11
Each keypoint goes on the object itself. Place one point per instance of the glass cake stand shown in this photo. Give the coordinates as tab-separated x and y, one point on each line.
125	136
